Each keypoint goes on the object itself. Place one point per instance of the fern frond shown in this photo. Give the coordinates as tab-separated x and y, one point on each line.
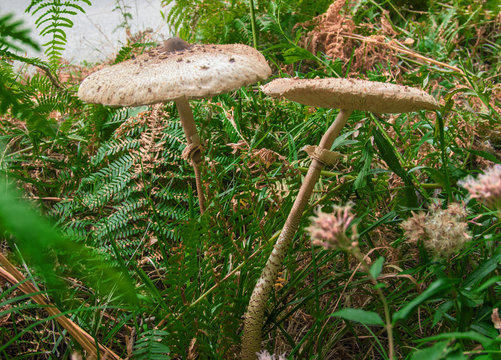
53	17
150	347
11	32
136	188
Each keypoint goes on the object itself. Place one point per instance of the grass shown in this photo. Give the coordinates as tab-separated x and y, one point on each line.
113	182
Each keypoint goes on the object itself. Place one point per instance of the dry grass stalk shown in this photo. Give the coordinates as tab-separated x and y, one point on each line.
10	273
394	45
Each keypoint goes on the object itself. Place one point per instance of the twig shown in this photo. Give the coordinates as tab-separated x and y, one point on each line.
402	50
54	80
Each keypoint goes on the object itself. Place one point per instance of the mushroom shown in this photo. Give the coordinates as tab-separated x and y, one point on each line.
347	95
177	71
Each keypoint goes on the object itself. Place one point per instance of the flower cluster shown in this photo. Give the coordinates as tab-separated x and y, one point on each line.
331	230
265	355
442	231
486	188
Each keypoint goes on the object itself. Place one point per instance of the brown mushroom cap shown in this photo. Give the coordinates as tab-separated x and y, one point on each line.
351	94
158	75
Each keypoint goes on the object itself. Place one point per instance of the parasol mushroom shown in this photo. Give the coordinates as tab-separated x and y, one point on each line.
177	71
347	95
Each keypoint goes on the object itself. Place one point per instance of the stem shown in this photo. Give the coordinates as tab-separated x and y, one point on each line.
389	328
190	131
251	339
445	162
253	24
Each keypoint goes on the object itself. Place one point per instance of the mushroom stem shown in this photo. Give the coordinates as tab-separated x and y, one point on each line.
190	131
251	338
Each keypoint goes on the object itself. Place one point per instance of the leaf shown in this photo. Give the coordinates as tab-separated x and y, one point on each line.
484	155
366	158
387	153
435	288
482	271
150	346
296	54
432	353
11	31
488	283
441	311
52	20
469	335
41	244
359	315
377	267
437	175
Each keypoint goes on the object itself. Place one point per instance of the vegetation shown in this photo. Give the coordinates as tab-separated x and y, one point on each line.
113	243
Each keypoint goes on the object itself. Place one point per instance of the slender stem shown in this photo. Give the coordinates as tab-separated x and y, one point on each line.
190	131
252	334
389	327
253	23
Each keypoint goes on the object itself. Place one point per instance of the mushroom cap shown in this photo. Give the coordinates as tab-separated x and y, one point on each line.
351	94
159	75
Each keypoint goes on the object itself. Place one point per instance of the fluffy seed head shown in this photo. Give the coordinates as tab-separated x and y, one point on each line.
443	232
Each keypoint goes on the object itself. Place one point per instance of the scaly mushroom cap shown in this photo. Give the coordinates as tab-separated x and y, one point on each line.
174	71
351	94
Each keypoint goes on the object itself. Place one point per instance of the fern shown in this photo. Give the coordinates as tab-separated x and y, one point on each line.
229	21
32	99
11	33
53	17
12	36
136	188
150	347
126	52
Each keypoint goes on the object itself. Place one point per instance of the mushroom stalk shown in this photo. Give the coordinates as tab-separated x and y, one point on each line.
251	339
193	148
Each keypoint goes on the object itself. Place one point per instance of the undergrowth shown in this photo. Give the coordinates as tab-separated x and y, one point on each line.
115	186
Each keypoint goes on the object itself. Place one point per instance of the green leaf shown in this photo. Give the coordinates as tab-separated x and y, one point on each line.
150	346
44	247
484	155
377	267
366	158
435	288
488	283
441	311
359	315
437	175
482	271
432	353
387	153
469	335
11	31
296	54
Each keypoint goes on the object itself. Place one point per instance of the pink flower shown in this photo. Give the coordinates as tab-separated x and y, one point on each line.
330	230
486	188
265	355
